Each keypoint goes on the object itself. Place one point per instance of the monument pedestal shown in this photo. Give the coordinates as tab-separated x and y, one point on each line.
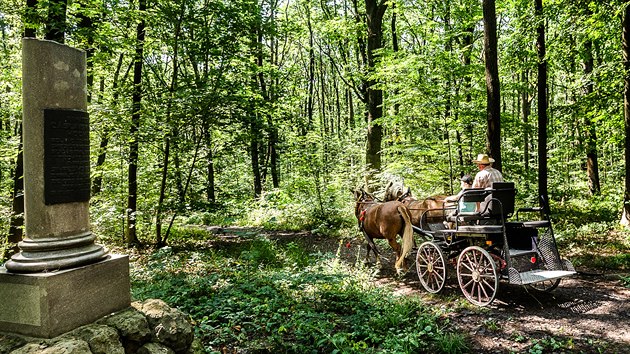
48	304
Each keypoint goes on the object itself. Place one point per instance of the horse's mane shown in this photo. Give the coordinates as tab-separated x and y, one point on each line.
396	191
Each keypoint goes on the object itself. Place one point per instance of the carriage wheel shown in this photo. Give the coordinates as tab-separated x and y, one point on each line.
546	286
431	267
477	275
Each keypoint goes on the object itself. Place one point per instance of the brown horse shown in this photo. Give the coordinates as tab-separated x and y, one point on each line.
431	210
384	221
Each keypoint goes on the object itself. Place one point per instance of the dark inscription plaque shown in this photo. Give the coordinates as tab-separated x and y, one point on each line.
66	156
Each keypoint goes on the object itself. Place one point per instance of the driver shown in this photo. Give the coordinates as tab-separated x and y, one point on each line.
487	174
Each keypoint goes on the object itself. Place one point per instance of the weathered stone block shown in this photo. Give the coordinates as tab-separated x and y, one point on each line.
48	304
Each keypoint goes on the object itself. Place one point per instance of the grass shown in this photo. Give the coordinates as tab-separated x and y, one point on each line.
262	296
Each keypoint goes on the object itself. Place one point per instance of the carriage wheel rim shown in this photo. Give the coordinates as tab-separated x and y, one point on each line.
477	275
546	286
431	267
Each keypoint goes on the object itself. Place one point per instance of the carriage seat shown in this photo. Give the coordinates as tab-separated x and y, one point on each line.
496	205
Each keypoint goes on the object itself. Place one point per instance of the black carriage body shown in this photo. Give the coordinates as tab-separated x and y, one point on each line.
485	246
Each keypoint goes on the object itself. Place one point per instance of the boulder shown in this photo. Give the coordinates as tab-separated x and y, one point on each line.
63	346
10	342
132	327
101	338
170	326
155	348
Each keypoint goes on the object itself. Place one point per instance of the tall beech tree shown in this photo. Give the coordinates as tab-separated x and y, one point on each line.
493	87
541	50
374	10
131	232
625	45
592	165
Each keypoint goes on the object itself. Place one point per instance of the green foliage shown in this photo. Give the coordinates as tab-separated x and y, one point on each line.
266	296
550	344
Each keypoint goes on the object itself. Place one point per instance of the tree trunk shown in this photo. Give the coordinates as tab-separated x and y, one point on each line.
30	19
592	168
16	232
210	195
131	236
625	43
255	158
375	10
493	89
102	150
170	135
526	108
542	102
311	72
56	21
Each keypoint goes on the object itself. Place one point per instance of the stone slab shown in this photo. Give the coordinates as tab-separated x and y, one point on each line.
48	304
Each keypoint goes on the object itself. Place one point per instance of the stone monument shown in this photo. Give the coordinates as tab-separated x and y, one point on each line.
61	278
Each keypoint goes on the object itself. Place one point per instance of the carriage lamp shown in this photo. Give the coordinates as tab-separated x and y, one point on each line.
533	259
488	242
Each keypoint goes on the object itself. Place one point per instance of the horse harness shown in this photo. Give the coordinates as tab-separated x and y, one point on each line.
361	221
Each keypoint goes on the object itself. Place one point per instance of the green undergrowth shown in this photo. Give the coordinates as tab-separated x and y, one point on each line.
589	233
260	296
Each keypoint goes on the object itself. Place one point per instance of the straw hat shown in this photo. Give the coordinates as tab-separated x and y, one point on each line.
483	159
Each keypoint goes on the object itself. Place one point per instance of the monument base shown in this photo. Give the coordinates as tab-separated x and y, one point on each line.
45	305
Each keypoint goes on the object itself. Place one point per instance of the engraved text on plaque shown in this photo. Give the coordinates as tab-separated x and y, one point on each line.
66	156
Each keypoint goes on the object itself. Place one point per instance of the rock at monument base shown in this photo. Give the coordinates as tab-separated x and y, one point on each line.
170	326
155	348
101	339
9	342
68	346
127	331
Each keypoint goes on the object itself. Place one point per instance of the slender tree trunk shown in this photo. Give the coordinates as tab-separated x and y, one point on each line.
592	166
30	19
311	70
493	89
170	134
542	101
375	10
102	150
210	194
625	43
255	158
17	216
467	42
526	107
56	21
132	198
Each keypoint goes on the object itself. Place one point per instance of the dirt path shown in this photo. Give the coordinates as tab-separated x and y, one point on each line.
589	313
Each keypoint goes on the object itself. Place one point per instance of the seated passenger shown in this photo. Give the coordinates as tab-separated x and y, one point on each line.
466	183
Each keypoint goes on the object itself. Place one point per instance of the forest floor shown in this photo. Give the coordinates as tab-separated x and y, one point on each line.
588	313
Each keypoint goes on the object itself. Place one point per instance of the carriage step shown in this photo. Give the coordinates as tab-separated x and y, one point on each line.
535	276
518	253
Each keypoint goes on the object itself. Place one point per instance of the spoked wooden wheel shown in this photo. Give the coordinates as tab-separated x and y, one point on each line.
546	286
477	275
431	267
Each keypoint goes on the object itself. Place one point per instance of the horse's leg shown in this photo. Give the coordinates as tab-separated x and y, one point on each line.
396	247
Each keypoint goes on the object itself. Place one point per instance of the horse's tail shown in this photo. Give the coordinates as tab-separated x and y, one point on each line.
407	239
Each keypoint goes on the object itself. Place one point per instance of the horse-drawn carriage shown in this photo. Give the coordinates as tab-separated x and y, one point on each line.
487	244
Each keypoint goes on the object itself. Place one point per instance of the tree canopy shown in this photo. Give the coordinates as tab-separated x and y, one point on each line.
287	104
